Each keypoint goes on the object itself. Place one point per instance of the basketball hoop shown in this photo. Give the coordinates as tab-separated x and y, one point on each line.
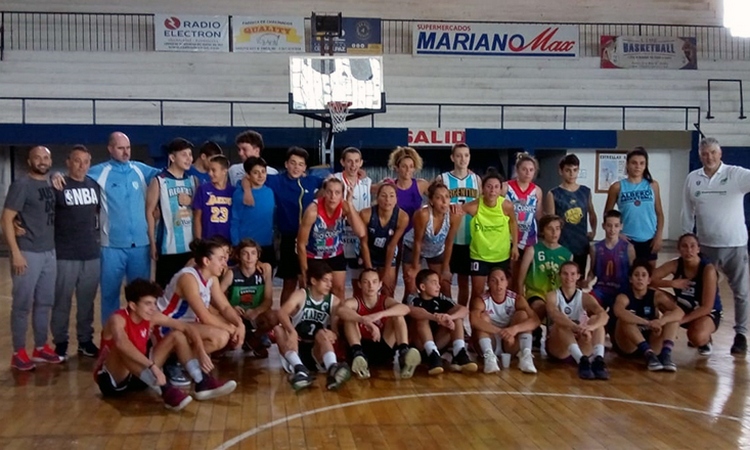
338	112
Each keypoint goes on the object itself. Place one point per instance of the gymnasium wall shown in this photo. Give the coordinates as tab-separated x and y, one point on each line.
694	12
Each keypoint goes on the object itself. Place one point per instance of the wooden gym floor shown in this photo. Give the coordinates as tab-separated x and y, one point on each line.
703	405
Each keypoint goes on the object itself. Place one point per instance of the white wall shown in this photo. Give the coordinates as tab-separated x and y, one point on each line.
697	12
668	167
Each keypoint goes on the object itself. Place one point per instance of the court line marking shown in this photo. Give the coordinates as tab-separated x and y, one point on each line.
239	438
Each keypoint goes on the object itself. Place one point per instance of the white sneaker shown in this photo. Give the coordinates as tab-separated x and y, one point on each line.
526	361
360	367
490	363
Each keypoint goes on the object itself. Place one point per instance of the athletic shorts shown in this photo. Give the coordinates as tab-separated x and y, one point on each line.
408	257
483	268
337	263
378	353
715	316
110	388
308	358
605	299
288	262
460	261
268	255
643	250
536	298
581	260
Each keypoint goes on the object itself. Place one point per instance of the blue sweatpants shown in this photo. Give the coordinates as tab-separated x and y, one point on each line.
118	263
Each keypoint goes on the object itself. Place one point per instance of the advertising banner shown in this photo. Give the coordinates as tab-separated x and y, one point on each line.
494	39
268	34
182	33
361	36
648	52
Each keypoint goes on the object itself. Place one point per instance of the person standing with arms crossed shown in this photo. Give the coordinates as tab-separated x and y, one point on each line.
32	257
713	202
78	254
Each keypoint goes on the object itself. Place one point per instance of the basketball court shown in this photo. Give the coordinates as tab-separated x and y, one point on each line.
702	405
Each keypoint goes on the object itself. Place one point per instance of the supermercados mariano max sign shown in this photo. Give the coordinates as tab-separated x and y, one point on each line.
494	39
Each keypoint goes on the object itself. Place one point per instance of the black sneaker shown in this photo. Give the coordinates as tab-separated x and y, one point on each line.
61	350
88	349
301	378
536	339
739	347
176	374
584	369
599	367
653	363
666	362
462	363
338	374
434	363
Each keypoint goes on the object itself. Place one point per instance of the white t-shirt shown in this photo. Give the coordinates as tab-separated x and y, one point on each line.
361	199
237	172
716	206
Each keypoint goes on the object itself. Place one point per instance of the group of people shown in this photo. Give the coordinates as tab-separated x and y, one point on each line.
218	234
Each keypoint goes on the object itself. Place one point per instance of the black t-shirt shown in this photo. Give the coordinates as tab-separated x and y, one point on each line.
438	305
77	220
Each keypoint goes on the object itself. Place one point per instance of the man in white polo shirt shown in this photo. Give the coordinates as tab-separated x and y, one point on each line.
713	202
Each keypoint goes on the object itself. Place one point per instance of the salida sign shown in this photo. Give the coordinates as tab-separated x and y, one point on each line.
191	33
436	137
494	39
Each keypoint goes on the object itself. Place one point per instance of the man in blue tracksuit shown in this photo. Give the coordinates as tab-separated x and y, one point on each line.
124	233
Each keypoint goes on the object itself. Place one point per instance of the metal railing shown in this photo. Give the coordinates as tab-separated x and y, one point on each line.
689	115
135	32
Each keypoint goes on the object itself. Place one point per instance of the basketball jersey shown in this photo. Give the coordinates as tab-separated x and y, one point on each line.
138	335
490	233
176	307
691	298
327	233
462	190
379	236
438	305
500	314
363	310
361	199
543	275
525	204
246	292
433	244
410	200
636	203
312	316
573	207
611	268
573	307
645	307
176	220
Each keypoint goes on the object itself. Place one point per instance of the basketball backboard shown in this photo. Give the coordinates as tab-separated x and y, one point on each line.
314	81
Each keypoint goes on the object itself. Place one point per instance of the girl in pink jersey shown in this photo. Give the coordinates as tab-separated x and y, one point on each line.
527	200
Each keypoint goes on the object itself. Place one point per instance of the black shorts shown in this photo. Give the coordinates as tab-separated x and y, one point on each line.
460	261
110	388
378	353
306	355
643	250
354	263
582	261
715	316
536	298
483	268
337	263
408	257
268	255
168	265
288	262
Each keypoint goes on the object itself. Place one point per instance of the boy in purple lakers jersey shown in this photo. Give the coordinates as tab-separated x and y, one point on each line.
610	261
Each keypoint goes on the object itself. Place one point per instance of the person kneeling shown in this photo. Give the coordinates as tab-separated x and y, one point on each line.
437	321
376	329
305	333
501	314
124	366
577	324
639	327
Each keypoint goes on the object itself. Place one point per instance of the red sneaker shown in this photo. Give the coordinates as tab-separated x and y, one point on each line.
46	355
174	399
210	388
21	361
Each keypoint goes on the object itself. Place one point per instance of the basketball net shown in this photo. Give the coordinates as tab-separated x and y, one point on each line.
338	112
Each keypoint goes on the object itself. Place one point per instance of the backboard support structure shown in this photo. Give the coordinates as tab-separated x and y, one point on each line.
315	81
